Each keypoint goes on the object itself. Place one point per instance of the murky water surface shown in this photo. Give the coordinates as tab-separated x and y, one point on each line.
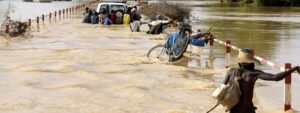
73	67
272	31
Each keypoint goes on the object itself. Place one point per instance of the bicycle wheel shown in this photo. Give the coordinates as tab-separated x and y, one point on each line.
180	45
159	52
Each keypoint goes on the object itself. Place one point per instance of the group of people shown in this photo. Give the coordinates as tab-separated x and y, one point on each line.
130	17
106	17
90	16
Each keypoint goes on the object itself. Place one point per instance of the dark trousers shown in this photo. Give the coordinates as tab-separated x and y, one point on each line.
237	109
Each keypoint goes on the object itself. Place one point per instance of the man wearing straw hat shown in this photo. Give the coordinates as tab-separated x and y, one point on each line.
248	76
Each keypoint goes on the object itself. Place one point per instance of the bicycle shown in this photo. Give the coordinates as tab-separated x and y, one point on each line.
174	53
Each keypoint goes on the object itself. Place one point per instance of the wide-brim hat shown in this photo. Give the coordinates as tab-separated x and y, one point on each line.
246	56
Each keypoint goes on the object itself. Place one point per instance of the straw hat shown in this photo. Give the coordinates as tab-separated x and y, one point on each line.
246	56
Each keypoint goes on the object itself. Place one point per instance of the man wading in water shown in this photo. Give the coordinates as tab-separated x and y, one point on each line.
248	78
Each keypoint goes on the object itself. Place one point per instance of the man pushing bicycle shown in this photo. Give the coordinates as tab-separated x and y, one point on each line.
178	40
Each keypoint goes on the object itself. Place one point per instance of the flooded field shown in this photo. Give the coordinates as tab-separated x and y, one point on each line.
71	67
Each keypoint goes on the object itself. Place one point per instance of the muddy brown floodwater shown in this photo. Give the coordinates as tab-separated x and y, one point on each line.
274	33
71	67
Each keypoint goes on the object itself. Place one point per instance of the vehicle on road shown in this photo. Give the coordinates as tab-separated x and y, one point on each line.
111	7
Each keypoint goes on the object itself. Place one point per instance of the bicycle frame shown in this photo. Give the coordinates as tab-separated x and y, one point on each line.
170	50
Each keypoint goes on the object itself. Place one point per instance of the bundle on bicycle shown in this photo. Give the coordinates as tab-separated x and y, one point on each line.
177	42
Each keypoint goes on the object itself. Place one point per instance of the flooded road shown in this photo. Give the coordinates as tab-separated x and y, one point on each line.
93	69
72	67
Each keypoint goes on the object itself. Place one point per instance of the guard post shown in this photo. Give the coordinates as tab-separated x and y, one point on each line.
287	89
228	50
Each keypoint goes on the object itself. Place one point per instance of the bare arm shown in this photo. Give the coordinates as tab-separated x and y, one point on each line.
278	76
228	75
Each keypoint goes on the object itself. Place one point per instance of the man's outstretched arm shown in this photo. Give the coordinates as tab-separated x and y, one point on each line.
278	76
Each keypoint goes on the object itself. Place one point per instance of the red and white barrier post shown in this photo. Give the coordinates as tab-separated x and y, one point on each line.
55	15
7	29
43	17
59	13
37	20
49	16
211	46
287	89
228	57
29	23
68	10
211	53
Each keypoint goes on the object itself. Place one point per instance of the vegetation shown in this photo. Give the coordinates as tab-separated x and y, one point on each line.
270	2
175	11
279	2
16	28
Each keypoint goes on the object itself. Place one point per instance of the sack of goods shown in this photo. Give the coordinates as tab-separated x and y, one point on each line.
229	95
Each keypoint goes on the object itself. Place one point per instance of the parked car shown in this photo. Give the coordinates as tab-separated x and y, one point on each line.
120	1
114	9
111	6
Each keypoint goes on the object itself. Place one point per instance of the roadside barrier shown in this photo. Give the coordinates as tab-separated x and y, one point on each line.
7	29
63	12
287	85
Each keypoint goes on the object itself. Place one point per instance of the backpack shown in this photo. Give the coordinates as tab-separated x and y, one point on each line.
229	95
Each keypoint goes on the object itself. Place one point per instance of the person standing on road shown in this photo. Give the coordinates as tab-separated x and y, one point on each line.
247	78
135	20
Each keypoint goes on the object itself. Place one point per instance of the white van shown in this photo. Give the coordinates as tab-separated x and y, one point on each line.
111	6
120	1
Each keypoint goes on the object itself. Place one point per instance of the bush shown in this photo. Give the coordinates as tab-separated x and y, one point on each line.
175	11
273	2
279	2
295	2
16	28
